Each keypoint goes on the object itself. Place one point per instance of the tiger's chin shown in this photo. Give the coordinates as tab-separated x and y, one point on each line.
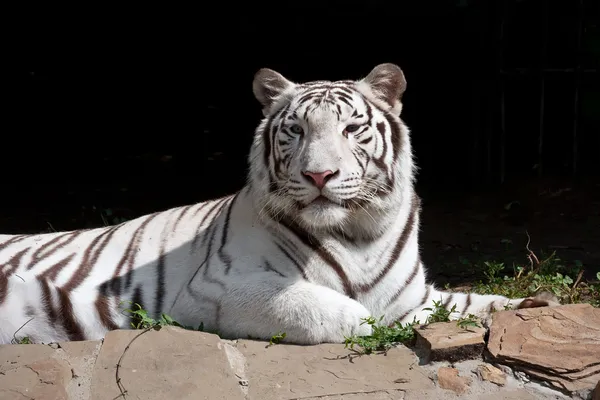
323	215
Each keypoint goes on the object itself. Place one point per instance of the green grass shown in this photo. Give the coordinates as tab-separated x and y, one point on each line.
385	337
547	273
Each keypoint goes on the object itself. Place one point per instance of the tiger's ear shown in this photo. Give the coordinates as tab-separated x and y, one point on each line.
386	83
268	86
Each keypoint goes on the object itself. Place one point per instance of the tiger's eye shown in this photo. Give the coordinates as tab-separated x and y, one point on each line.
351	128
297	129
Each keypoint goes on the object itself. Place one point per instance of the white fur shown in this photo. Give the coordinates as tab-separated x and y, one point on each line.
225	260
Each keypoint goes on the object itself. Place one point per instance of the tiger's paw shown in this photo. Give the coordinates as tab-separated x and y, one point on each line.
348	321
542	299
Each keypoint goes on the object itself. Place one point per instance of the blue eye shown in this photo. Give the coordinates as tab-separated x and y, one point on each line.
351	128
297	129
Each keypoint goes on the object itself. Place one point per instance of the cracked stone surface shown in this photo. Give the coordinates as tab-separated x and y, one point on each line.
168	364
32	372
292	372
173	363
560	345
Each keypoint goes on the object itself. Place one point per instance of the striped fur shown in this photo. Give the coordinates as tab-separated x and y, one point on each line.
279	255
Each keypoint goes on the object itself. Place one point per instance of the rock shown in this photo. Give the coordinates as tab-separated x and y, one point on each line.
329	371
29	371
559	345
172	363
596	392
518	394
448	379
506	369
81	356
446	341
488	372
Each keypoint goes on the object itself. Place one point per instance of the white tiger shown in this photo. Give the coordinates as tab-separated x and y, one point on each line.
324	233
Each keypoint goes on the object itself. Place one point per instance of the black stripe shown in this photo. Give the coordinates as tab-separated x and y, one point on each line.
448	300
269	267
467	305
226	258
398	248
293	260
423	300
408	282
138	298
324	254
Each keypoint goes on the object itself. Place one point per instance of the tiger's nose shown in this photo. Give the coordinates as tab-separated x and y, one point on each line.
319	179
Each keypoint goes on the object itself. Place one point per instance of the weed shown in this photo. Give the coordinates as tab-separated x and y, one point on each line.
547	273
23	340
469	320
277	338
383	337
141	320
439	313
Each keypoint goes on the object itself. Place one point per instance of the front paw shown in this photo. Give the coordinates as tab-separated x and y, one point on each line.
543	299
351	317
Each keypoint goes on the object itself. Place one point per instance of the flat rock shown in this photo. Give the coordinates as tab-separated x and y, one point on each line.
30	371
449	379
488	372
446	341
328	372
560	345
168	364
81	356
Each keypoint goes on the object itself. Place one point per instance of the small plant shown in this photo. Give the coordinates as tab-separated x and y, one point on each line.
141	320
441	314
276	338
23	340
438	313
383	337
469	320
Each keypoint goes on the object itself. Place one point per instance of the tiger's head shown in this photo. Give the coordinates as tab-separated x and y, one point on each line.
331	156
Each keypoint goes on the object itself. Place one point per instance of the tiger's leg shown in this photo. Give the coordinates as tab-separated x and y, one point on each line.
260	306
481	306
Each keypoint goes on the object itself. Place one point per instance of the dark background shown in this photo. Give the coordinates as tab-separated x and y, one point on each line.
118	112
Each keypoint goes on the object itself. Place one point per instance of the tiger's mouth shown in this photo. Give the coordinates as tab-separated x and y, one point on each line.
321	201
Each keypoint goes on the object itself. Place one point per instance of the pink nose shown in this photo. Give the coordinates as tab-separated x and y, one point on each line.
319	179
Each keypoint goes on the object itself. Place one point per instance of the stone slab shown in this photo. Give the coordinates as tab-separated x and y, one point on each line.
283	372
30	371
560	345
446	341
168	364
81	356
